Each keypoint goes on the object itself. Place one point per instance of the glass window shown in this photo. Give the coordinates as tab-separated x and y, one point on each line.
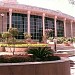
60	28
49	24
19	21
36	26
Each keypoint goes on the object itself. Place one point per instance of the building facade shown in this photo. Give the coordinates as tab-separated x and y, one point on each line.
35	20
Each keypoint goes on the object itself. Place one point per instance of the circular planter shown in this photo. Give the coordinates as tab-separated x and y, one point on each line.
59	67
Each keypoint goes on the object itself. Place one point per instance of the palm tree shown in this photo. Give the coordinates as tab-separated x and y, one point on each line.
14	32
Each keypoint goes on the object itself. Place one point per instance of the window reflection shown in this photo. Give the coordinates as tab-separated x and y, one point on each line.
19	21
36	26
49	24
60	28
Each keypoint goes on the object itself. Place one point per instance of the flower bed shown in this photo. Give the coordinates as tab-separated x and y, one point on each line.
20	47
24	45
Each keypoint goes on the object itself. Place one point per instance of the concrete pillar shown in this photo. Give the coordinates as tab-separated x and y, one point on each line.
43	19
71	29
55	24
65	27
10	18
28	22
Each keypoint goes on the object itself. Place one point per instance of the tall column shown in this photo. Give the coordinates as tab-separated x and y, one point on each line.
71	29
65	27
43	18
55	24
29	22
10	18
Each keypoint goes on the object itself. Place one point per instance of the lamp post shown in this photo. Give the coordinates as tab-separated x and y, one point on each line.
55	42
2	15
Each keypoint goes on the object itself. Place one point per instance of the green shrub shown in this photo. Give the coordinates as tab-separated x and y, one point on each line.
74	39
28	58
71	40
41	53
33	54
2	60
26	35
52	58
16	41
14	58
65	42
10	41
20	42
51	39
60	40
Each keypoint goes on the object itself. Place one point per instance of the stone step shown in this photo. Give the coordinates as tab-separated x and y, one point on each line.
62	47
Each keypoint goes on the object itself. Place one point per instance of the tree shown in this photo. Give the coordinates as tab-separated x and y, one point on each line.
6	35
14	32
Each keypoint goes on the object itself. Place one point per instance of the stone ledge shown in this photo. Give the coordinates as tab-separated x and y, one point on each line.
62	54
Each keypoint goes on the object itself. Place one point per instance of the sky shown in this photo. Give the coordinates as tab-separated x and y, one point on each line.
58	5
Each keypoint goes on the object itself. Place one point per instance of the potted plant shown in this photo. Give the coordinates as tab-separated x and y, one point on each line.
27	37
47	33
66	43
60	40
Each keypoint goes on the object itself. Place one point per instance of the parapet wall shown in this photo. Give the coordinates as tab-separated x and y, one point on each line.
60	67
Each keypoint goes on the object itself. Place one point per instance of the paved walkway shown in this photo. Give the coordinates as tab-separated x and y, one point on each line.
72	70
71	51
72	65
